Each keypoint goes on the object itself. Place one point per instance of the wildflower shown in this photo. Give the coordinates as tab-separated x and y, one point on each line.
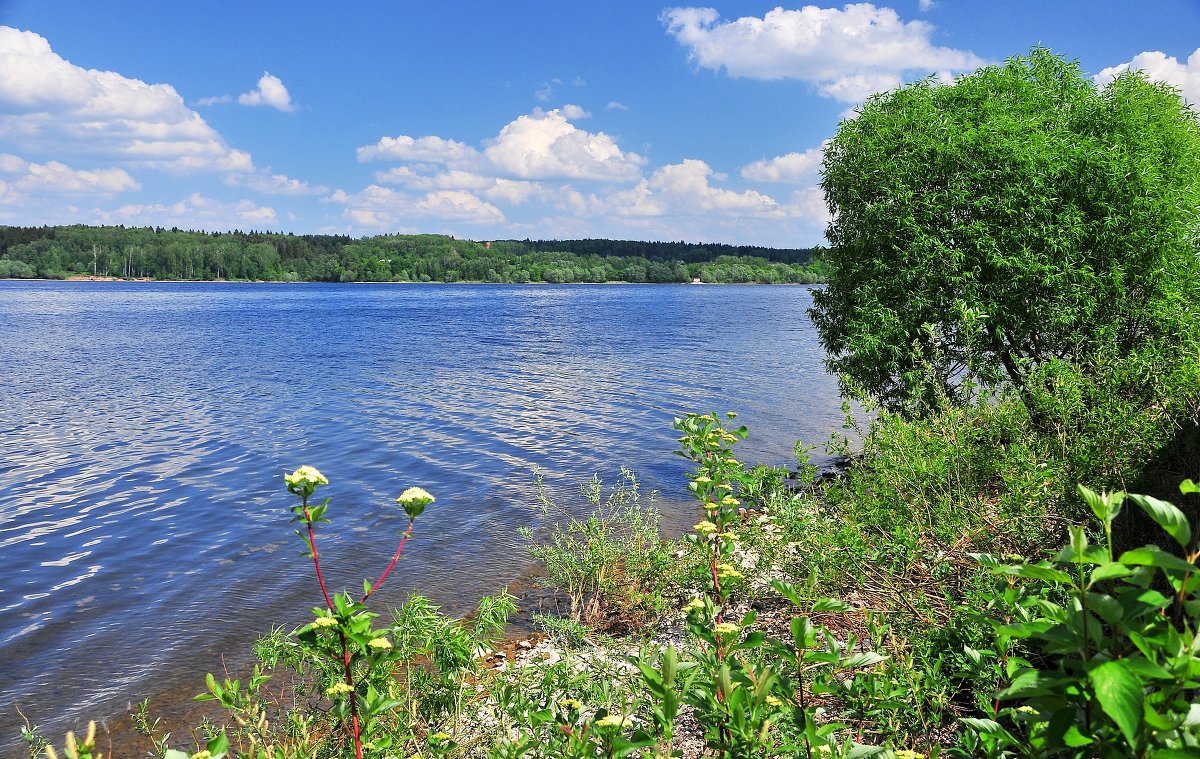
1026	710
906	753
694	605
730	501
726	628
414	501
325	622
773	701
440	737
383	644
304	480
339	688
728	535
703	478
612	720
728	571
705	528
570	704
205	754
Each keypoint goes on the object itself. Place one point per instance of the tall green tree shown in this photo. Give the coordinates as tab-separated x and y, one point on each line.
1017	217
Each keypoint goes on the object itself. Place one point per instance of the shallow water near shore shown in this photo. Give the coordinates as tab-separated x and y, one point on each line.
145	428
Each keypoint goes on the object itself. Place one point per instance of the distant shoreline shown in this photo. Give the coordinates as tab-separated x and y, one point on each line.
148	280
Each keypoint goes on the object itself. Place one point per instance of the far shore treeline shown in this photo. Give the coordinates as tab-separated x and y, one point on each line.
174	254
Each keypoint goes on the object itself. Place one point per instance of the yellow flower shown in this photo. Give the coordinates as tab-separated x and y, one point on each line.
440	737
304	480
726	628
612	720
694	605
703	478
205	754
570	704
729	501
383	644
906	753
324	622
339	688
729	535
705	528
728	571
772	701
414	501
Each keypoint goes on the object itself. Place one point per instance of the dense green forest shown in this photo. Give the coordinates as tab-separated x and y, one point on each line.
156	253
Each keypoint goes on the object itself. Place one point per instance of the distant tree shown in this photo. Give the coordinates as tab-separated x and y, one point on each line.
1016	217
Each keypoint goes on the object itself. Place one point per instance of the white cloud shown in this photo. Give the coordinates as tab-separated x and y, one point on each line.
547	145
613	105
683	189
50	105
792	167
196	211
848	54
431	149
542	145
270	92
274	184
926	5
1163	68
382	208
57	179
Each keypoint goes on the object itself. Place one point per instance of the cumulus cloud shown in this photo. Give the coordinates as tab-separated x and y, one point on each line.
50	105
793	168
548	145
385	209
274	184
684	189
270	92
1163	68
196	211
427	149
56	178
848	54
541	145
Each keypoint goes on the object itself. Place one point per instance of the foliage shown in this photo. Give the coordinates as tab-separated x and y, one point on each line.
175	254
1017	217
1113	645
610	563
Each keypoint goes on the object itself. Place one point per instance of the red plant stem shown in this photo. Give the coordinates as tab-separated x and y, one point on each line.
382	577
353	696
312	543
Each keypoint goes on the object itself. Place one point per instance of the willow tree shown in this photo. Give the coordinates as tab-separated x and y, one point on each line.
1019	216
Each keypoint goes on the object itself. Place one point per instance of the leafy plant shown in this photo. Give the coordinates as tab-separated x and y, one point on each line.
610	562
1103	651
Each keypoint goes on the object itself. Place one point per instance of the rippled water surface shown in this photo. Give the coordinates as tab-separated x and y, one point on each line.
144	429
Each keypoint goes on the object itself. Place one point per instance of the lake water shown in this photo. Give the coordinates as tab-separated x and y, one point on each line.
145	428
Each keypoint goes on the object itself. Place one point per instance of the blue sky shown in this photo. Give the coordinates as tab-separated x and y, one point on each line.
492	120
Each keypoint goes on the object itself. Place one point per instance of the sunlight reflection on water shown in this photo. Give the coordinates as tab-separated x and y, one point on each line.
144	429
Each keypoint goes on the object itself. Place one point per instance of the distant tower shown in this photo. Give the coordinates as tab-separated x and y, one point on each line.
487	245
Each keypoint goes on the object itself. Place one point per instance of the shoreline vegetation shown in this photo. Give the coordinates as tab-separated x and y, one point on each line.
1008	566
157	254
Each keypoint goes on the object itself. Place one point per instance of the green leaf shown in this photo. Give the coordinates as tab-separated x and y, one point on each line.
982	726
1153	556
1168	517
1188	487
1035	572
1109	572
1121	696
831	604
864	659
